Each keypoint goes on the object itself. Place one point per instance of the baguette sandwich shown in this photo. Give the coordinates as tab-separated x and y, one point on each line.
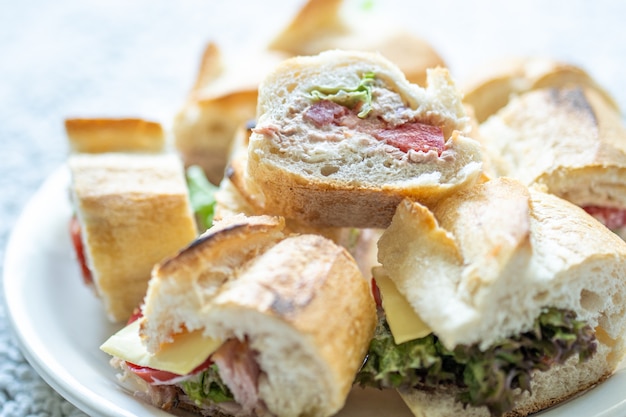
572	141
249	321
342	137
131	209
500	301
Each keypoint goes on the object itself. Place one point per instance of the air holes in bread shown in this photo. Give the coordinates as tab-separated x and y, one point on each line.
590	301
617	299
327	170
540	297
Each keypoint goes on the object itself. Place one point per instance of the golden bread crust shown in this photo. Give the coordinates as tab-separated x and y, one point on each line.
87	135
227	237
314	18
570	140
492	85
323	25
134	211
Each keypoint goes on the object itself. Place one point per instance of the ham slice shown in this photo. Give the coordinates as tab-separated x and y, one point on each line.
239	371
612	217
325	112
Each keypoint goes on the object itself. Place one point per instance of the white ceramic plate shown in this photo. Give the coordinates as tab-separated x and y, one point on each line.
59	325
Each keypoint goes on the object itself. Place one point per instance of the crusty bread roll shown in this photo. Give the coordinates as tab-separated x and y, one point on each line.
313	159
133	210
484	264
322	25
223	97
569	140
232	198
88	135
491	86
285	296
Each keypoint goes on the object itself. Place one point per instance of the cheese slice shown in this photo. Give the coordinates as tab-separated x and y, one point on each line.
187	352
405	324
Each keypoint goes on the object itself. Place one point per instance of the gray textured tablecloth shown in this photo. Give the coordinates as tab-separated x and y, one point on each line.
68	58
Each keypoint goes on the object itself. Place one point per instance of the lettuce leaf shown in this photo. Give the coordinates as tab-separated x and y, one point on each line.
201	196
207	388
419	362
484	378
349	97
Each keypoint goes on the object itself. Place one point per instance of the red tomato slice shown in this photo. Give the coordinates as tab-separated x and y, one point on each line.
151	375
136	315
415	136
376	294
80	250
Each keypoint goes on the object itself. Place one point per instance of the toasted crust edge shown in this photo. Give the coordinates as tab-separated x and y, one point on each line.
99	135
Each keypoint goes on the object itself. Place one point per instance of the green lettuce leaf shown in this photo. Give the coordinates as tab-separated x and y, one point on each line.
201	196
417	362
349	97
484	378
207	388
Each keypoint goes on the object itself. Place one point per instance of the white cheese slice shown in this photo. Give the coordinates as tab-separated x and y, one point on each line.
405	324
187	352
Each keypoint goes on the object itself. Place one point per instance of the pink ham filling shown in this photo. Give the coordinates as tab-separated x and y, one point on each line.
239	371
417	136
325	112
612	217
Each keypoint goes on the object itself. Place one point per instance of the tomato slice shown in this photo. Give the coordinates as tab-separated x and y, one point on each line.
135	315
151	375
414	136
80	250
376	294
